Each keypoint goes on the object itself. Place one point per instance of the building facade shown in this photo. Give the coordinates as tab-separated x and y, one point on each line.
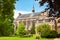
35	18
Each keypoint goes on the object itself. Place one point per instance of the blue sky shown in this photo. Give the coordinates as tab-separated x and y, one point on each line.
25	6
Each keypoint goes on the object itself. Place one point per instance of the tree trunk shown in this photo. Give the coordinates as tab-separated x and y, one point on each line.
55	23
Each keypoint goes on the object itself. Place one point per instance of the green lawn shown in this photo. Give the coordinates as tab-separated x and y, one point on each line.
19	38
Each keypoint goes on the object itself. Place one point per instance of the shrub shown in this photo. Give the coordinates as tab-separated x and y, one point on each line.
6	29
52	34
36	36
21	29
43	29
59	35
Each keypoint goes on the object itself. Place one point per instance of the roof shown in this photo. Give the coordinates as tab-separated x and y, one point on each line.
29	15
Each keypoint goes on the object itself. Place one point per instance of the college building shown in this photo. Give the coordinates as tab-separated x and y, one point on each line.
36	18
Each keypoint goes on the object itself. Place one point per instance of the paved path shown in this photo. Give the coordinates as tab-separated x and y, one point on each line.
57	39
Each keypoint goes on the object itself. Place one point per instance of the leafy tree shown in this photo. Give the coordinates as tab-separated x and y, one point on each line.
21	29
6	13
5	28
54	7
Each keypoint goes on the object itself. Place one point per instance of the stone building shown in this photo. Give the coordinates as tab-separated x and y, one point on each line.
34	18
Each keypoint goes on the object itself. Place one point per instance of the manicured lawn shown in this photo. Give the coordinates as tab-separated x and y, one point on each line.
19	38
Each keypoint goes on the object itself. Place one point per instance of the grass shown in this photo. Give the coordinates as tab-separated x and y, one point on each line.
19	38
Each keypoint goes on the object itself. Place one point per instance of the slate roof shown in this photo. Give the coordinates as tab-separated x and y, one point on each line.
37	14
24	15
29	15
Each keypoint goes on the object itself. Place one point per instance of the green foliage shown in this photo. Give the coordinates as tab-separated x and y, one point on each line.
6	17
36	36
46	31
7	12
43	29
33	29
52	34
6	29
21	29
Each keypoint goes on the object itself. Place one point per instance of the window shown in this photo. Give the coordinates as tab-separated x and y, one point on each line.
47	20
40	21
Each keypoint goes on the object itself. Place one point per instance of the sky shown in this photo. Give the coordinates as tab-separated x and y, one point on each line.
25	6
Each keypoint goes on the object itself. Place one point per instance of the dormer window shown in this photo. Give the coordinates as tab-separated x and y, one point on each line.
19	14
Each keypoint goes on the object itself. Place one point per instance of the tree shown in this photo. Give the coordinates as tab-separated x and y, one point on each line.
6	12
54	7
33	29
5	28
21	29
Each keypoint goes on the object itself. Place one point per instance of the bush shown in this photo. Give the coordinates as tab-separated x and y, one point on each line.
36	36
6	29
21	29
52	34
59	35
43	29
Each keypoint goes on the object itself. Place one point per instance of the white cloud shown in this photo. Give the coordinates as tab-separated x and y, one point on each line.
16	13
